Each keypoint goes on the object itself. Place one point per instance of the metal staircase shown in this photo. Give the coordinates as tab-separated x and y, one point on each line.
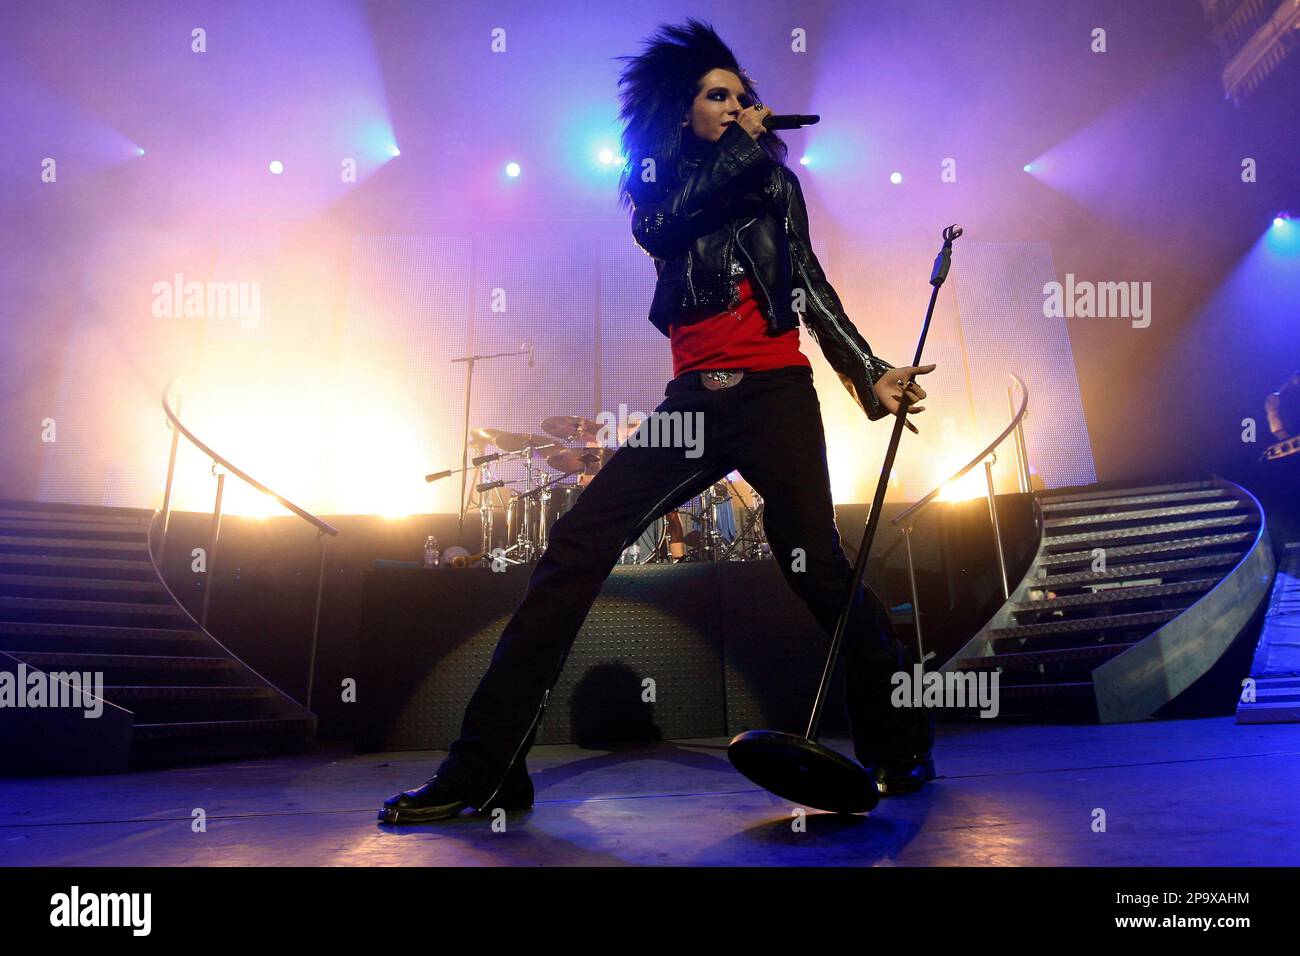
1133	595
80	592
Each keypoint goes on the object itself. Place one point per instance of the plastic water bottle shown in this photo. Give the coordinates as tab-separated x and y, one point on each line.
431	552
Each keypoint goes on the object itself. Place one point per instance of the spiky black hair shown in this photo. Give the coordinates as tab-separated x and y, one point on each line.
658	88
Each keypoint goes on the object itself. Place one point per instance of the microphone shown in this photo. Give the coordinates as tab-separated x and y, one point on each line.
790	121
436	475
488	486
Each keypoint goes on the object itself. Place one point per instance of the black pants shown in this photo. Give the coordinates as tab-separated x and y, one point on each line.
768	426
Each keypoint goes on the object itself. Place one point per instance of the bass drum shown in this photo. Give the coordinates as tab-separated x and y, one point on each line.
652	544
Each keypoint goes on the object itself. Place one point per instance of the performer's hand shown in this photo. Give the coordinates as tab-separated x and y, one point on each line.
751	120
889	389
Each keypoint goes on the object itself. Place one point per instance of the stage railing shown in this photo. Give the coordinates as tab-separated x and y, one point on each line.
988	456
220	466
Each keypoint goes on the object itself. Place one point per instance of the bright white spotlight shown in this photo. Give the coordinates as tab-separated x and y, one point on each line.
395	151
895	178
804	160
512	169
139	151
606	156
276	167
1028	167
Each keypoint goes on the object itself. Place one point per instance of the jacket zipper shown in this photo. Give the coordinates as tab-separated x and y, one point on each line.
689	283
545	697
753	268
831	315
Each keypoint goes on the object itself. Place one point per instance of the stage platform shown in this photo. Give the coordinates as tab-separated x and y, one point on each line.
1178	793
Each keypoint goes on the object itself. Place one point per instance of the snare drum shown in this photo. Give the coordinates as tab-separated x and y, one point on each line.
563	497
521	518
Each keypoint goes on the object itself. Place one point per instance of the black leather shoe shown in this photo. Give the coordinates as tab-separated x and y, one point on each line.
437	801
907	776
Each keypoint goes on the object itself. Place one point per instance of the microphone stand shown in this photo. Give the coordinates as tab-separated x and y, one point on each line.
799	768
464	448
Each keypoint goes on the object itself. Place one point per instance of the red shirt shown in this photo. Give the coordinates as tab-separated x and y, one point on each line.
733	339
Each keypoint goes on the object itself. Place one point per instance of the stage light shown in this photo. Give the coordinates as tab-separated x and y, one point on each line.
895	178
276	167
395	151
804	160
606	156
139	151
1281	218
1028	167
512	169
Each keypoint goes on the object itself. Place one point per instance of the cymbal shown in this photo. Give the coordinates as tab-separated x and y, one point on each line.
571	428
509	441
584	460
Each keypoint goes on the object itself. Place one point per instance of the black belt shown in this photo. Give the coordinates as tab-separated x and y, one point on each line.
715	379
712	379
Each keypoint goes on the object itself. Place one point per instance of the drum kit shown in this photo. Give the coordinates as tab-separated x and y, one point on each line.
722	524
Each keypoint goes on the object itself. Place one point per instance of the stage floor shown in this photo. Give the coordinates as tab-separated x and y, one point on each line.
1181	793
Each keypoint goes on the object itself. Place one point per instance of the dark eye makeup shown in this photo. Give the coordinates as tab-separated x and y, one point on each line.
743	99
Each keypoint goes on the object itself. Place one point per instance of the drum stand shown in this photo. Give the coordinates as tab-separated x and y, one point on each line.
749	540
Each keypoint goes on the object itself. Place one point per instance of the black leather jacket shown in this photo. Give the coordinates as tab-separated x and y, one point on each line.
736	205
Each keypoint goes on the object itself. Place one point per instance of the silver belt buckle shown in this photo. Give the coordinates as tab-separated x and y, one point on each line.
715	379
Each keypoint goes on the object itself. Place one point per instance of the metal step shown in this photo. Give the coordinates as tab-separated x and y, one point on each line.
1032	658
22	637
122	693
14	544
267	727
1114	493
63	508
1085	625
1148	569
1048	506
25	515
1151	547
74	566
1150	531
1064	689
8	583
59	660
1115	517
69	606
1118	595
59	529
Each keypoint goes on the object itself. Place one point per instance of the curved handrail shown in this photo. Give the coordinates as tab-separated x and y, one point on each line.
225	463
156	560
1015	422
